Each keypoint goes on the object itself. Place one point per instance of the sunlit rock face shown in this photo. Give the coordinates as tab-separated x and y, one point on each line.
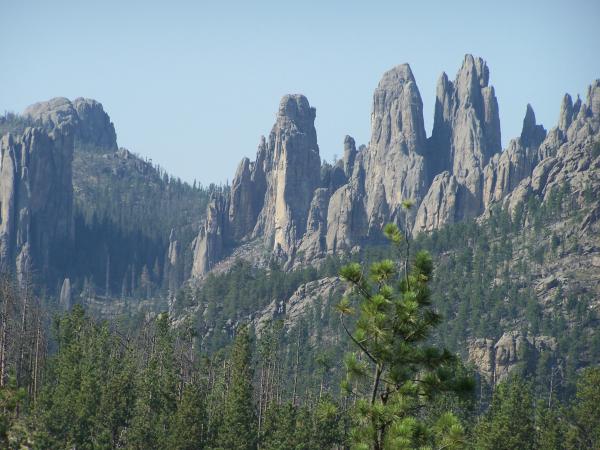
300	209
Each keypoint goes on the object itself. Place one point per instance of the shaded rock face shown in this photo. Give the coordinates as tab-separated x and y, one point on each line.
441	204
244	206
210	245
95	127
349	156
298	306
495	360
313	242
36	196
36	188
173	265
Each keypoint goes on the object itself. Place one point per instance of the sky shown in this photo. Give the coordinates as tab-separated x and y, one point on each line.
193	85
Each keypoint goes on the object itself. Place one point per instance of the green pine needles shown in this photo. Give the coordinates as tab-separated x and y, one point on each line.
395	373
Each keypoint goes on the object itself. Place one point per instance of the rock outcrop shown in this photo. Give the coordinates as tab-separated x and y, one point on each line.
395	163
91	125
465	136
296	307
95	128
441	205
276	197
173	265
565	156
506	170
495	360
36	196
292	171
210	245
65	299
302	210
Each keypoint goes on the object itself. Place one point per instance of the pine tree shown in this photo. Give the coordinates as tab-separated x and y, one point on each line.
551	427
189	428
585	432
509	422
10	398
279	428
156	393
394	372
239	428
87	401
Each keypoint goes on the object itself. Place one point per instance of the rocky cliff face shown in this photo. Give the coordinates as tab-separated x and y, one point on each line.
210	245
69	198
90	124
395	164
466	134
495	360
36	196
274	199
506	170
566	155
292	171
281	199
456	174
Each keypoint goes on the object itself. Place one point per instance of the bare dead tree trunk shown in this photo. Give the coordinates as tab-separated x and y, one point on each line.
22	331
6	298
107	285
260	397
296	368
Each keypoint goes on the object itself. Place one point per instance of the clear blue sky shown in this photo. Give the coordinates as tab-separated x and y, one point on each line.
193	84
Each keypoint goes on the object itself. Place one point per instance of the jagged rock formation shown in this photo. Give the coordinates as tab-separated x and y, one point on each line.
457	174
70	198
65	299
292	171
395	164
91	125
293	309
285	202
36	196
566	155
270	198
506	170
209	246
495	360
173	265
466	134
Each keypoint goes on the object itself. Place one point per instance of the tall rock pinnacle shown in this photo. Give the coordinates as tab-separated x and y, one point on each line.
292	173
466	129
466	134
271	198
395	160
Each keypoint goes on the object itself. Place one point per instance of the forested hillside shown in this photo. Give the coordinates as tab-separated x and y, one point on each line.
154	385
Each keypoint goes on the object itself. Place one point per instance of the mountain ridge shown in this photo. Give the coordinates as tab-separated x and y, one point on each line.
455	174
